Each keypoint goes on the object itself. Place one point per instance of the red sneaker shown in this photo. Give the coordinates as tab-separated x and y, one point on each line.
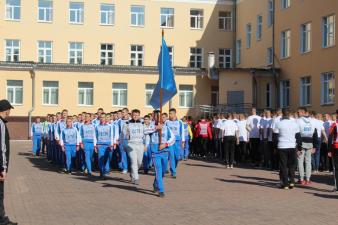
302	182
308	182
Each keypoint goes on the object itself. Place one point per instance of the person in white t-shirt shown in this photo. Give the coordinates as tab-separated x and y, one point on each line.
324	159
252	126
288	140
265	125
276	119
243	134
230	138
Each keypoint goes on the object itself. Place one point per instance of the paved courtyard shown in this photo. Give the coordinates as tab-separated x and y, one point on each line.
204	193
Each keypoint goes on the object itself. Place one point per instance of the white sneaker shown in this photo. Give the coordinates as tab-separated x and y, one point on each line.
124	171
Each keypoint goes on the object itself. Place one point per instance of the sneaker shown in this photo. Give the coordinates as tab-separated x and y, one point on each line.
285	188
292	185
89	175
227	166
302	182
307	182
136	182
11	223
155	189
173	176
232	166
161	195
102	177
124	172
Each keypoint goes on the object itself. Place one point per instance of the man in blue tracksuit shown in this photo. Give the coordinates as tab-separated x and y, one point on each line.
50	138
104	143
188	138
177	127
160	152
70	141
36	135
87	133
123	157
147	158
60	126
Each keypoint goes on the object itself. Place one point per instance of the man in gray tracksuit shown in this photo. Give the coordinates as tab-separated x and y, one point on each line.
308	133
133	130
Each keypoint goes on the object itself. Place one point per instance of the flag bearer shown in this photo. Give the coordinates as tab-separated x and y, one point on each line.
36	135
188	138
87	133
160	152
177	127
104	143
70	141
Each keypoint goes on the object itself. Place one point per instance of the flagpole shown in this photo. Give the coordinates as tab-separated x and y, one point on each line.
161	91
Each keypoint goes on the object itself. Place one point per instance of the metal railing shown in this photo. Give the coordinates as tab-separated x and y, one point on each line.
209	110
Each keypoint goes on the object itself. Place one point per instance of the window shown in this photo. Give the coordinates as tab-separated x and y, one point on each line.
171	54
85	91
13	8
305	91
259	27
270	56
248	35
268	95
44	51
238	51
137	15
225	21
270	13
107	14
196	19
285	44
196	57
12	50
225	58
285	93
120	94
136	55
45	10
76	12
328	88
107	54
305	37
186	96
50	93
15	91
167	17
285	4
329	31
75	52
149	92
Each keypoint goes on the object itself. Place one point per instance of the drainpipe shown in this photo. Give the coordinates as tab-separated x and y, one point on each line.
32	73
234	31
275	75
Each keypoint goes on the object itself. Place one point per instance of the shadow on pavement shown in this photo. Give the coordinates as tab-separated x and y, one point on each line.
40	162
259	183
328	196
202	165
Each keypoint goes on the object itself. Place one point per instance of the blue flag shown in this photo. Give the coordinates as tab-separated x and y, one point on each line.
166	80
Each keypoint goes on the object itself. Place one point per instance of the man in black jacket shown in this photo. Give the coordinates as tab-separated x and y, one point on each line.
5	108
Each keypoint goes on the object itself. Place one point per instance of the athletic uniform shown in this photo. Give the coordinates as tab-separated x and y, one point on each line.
36	134
87	133
70	139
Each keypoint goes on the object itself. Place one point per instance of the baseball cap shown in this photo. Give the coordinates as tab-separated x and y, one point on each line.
5	105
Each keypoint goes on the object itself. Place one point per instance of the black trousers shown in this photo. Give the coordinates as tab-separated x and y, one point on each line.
242	152
287	165
325	161
3	218
335	162
256	155
229	143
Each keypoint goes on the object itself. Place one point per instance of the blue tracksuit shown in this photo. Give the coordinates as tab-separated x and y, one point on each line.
104	140
87	133
185	152
177	128
147	158
70	139
160	157
60	126
36	134
123	157
51	140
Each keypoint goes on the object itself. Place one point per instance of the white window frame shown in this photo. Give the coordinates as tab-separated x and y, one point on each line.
195	57
45	11
85	90
45	49
14	89
137	14
10	11
79	13
269	56
108	14
270	13
238	51
136	53
259	32
76	53
285	44
12	49
150	92
50	93
328	31
268	93
186	94
119	90
225	21
305	37
324	79
167	18
171	54
106	51
283	90
199	19
222	58
305	91
285	4
248	35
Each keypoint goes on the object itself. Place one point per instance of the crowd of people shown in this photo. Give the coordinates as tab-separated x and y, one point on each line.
282	140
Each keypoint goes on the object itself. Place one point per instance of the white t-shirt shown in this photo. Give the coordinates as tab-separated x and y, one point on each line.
327	125
229	128
275	121
286	130
253	122
266	124
243	132
319	125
